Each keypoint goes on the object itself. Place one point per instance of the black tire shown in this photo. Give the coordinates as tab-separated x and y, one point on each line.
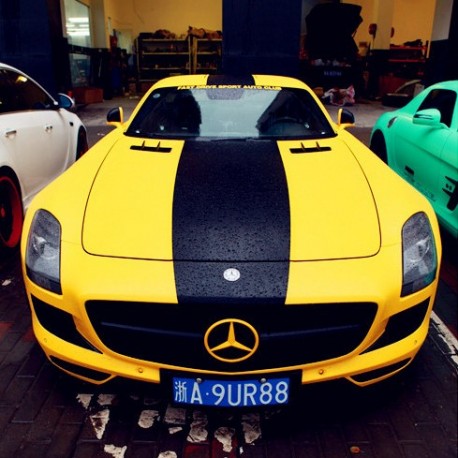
11	212
82	145
378	146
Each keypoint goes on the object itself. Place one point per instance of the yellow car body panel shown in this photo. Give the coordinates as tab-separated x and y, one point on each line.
108	226
308	176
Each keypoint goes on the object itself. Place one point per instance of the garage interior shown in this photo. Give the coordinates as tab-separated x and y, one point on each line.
98	49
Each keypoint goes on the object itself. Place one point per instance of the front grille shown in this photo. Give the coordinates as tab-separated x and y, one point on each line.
401	325
59	323
173	334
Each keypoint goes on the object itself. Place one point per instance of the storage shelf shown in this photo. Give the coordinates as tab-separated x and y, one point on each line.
206	55
407	61
403	63
162	68
166	53
162	57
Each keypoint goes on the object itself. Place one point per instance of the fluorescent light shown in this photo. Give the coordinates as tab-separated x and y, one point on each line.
78	33
78	20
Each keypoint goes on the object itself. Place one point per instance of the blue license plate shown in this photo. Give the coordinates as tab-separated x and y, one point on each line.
231	393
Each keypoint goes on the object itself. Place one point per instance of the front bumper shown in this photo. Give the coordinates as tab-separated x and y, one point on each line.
385	347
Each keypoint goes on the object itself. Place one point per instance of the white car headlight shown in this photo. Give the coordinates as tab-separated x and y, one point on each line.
42	255
419	254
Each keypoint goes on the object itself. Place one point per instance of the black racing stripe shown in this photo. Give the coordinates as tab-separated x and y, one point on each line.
231	203
231	210
260	283
244	80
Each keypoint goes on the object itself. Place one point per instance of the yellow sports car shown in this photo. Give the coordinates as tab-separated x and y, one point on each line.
232	243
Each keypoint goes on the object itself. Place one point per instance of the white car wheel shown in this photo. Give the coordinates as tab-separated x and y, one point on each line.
11	215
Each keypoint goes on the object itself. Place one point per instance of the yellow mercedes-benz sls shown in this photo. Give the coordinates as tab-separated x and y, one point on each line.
230	242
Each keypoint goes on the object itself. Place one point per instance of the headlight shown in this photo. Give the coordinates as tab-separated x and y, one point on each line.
42	255
418	254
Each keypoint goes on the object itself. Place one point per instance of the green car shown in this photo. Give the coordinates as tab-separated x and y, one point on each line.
420	142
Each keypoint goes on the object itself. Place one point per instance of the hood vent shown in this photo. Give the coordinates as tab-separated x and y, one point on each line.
310	149
153	149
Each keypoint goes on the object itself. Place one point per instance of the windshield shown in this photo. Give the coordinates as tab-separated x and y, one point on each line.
230	112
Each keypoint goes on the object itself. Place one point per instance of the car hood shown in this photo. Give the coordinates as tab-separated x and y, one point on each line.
231	200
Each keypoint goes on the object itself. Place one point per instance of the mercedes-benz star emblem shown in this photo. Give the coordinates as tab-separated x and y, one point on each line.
231	274
231	340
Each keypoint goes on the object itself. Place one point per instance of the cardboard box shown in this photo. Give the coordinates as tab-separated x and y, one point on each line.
86	95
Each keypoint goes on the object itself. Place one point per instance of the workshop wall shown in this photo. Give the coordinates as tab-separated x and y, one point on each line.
412	20
175	15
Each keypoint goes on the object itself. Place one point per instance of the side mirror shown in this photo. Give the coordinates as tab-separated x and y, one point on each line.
345	118
429	117
115	117
66	102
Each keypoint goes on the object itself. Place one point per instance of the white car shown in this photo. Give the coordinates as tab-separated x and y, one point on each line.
39	139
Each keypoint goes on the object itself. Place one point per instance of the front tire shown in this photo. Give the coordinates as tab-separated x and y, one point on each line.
378	146
11	213
82	145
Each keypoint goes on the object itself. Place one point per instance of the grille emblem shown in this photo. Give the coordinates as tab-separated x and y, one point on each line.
231	340
231	274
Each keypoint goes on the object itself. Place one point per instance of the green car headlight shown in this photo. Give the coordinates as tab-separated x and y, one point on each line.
419	255
42	255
